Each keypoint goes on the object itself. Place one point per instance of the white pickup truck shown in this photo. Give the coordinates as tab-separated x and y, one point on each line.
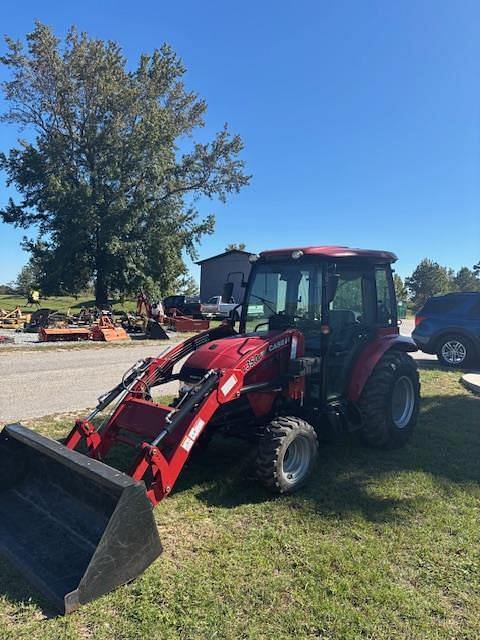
215	308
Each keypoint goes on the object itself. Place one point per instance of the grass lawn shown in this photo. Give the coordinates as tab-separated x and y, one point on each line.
380	545
60	303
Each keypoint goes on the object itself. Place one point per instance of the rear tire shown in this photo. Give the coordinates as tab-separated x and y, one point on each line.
390	401
287	453
455	351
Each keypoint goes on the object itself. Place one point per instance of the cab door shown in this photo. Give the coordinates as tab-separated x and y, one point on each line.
351	318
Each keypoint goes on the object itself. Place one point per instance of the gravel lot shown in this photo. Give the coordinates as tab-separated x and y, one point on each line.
40	382
21	339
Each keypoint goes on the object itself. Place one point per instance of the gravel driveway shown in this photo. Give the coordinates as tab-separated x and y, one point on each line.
41	382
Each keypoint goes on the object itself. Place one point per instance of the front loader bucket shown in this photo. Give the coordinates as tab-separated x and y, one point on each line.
73	526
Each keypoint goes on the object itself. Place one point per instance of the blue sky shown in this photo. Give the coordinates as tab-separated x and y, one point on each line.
360	119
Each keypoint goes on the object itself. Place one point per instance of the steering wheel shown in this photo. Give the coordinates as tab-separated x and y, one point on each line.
282	314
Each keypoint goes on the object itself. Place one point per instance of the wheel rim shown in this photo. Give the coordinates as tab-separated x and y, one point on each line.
454	352
403	402
296	460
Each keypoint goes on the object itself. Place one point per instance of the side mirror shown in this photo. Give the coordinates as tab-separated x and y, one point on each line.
227	291
332	284
233	314
243	282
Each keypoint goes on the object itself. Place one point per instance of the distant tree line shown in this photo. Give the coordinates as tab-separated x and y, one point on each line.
430	278
29	279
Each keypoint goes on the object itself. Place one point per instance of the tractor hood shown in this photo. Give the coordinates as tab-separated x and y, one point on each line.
222	354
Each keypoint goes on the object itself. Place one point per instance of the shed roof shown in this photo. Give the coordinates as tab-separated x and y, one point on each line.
225	253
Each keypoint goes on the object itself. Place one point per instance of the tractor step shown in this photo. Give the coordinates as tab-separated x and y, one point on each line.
73	526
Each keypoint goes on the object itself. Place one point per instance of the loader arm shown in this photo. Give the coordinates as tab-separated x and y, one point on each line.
170	432
78	528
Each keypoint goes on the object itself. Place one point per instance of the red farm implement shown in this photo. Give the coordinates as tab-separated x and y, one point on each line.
326	355
186	324
105	330
67	334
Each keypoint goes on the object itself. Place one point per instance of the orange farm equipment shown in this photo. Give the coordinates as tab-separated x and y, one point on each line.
67	334
185	324
106	330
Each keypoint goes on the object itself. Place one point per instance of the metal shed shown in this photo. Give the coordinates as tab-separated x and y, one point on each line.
224	267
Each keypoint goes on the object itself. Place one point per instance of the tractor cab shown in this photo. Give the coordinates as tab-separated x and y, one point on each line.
339	298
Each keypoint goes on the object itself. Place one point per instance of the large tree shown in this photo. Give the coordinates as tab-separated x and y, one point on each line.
428	279
109	173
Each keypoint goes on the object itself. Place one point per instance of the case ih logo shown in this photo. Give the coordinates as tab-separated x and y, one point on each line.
278	344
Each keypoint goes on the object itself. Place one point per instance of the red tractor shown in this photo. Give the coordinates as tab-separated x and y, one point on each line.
318	347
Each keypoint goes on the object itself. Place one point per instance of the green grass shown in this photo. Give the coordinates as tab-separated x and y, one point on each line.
60	303
380	545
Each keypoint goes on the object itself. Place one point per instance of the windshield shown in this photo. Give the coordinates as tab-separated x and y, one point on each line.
289	290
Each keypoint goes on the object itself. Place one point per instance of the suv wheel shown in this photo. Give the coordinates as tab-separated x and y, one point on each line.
455	351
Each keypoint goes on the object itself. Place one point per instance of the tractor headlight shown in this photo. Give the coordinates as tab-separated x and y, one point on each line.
298	253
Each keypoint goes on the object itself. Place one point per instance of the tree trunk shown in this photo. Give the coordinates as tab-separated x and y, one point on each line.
101	290
101	287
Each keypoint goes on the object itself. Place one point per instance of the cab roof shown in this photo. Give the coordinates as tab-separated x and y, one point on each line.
334	251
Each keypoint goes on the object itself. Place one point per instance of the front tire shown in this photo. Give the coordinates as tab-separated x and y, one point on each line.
455	351
390	401
287	454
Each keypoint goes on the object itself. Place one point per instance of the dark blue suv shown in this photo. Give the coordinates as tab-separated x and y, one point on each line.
449	326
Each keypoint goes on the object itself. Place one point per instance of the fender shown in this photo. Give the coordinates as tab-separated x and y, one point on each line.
369	358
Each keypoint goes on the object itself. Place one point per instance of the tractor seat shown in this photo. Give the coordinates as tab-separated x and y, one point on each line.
344	326
341	317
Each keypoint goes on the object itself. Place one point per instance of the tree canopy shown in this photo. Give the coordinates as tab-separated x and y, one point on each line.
466	280
428	279
400	288
27	279
109	174
235	246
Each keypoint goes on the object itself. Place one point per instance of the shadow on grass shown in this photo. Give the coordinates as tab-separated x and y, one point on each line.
18	592
446	445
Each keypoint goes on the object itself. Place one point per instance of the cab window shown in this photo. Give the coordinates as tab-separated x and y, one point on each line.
386	312
354	299
290	291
